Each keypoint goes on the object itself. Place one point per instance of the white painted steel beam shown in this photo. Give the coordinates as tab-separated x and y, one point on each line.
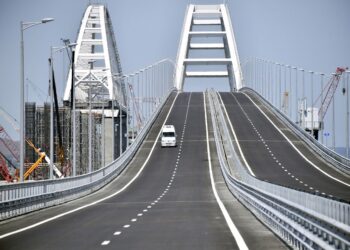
206	33
208	61
208	15
206	21
232	48
183	48
97	67
206	45
206	73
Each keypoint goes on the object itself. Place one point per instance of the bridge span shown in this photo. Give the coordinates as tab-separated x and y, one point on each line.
275	154
243	174
163	200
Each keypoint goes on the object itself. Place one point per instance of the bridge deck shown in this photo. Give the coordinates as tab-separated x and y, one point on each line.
273	159
150	214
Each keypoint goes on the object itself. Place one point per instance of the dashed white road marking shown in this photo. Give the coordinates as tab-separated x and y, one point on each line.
133	220
295	148
117	233
105	243
126	226
100	200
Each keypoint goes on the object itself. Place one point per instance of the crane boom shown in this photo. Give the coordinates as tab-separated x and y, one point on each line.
330	91
8	142
136	106
4	170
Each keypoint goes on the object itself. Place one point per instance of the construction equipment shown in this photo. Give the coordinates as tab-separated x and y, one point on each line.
311	118
328	92
136	106
42	155
12	148
8	142
4	170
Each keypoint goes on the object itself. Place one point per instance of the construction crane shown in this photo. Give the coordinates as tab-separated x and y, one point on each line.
8	142
328	92
136	106
42	155
4	171
312	117
12	148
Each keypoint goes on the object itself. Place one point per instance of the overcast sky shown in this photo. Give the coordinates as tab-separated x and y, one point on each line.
312	34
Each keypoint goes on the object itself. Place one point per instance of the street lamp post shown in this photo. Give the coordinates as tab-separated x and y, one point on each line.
333	120
347	113
23	27
321	121
312	101
290	92
296	93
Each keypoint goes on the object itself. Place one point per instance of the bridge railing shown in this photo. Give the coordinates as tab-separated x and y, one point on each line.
292	90
336	160
21	198
304	220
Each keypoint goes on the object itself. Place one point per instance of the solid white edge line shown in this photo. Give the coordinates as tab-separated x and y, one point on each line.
296	149
236	139
100	200
234	231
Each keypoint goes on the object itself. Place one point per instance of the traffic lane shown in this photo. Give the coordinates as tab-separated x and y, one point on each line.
302	146
255	234
116	184
243	132
256	154
293	169
159	168
98	221
187	217
294	166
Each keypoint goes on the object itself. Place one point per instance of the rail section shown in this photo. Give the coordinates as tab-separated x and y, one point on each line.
21	198
303	220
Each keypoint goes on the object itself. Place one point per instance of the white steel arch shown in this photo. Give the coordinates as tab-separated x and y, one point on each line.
96	61
205	16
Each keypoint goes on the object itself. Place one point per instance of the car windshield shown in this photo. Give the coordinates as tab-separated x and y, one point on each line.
168	134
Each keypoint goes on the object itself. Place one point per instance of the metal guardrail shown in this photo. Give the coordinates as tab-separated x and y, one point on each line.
303	220
21	198
336	160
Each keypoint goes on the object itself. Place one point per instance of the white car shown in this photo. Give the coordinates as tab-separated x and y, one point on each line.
168	136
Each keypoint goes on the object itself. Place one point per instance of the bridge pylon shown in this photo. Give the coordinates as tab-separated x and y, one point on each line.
96	60
208	27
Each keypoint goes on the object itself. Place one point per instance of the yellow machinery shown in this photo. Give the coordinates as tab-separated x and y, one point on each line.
36	164
42	155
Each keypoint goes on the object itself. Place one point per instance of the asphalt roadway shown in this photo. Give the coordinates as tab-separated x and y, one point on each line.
170	205
272	158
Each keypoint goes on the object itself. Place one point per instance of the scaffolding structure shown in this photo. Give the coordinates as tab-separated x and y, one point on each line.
38	131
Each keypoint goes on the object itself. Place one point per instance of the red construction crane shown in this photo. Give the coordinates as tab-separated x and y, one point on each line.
9	144
12	148
329	91
4	171
135	106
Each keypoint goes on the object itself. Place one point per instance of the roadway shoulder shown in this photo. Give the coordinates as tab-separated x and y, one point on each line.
254	232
